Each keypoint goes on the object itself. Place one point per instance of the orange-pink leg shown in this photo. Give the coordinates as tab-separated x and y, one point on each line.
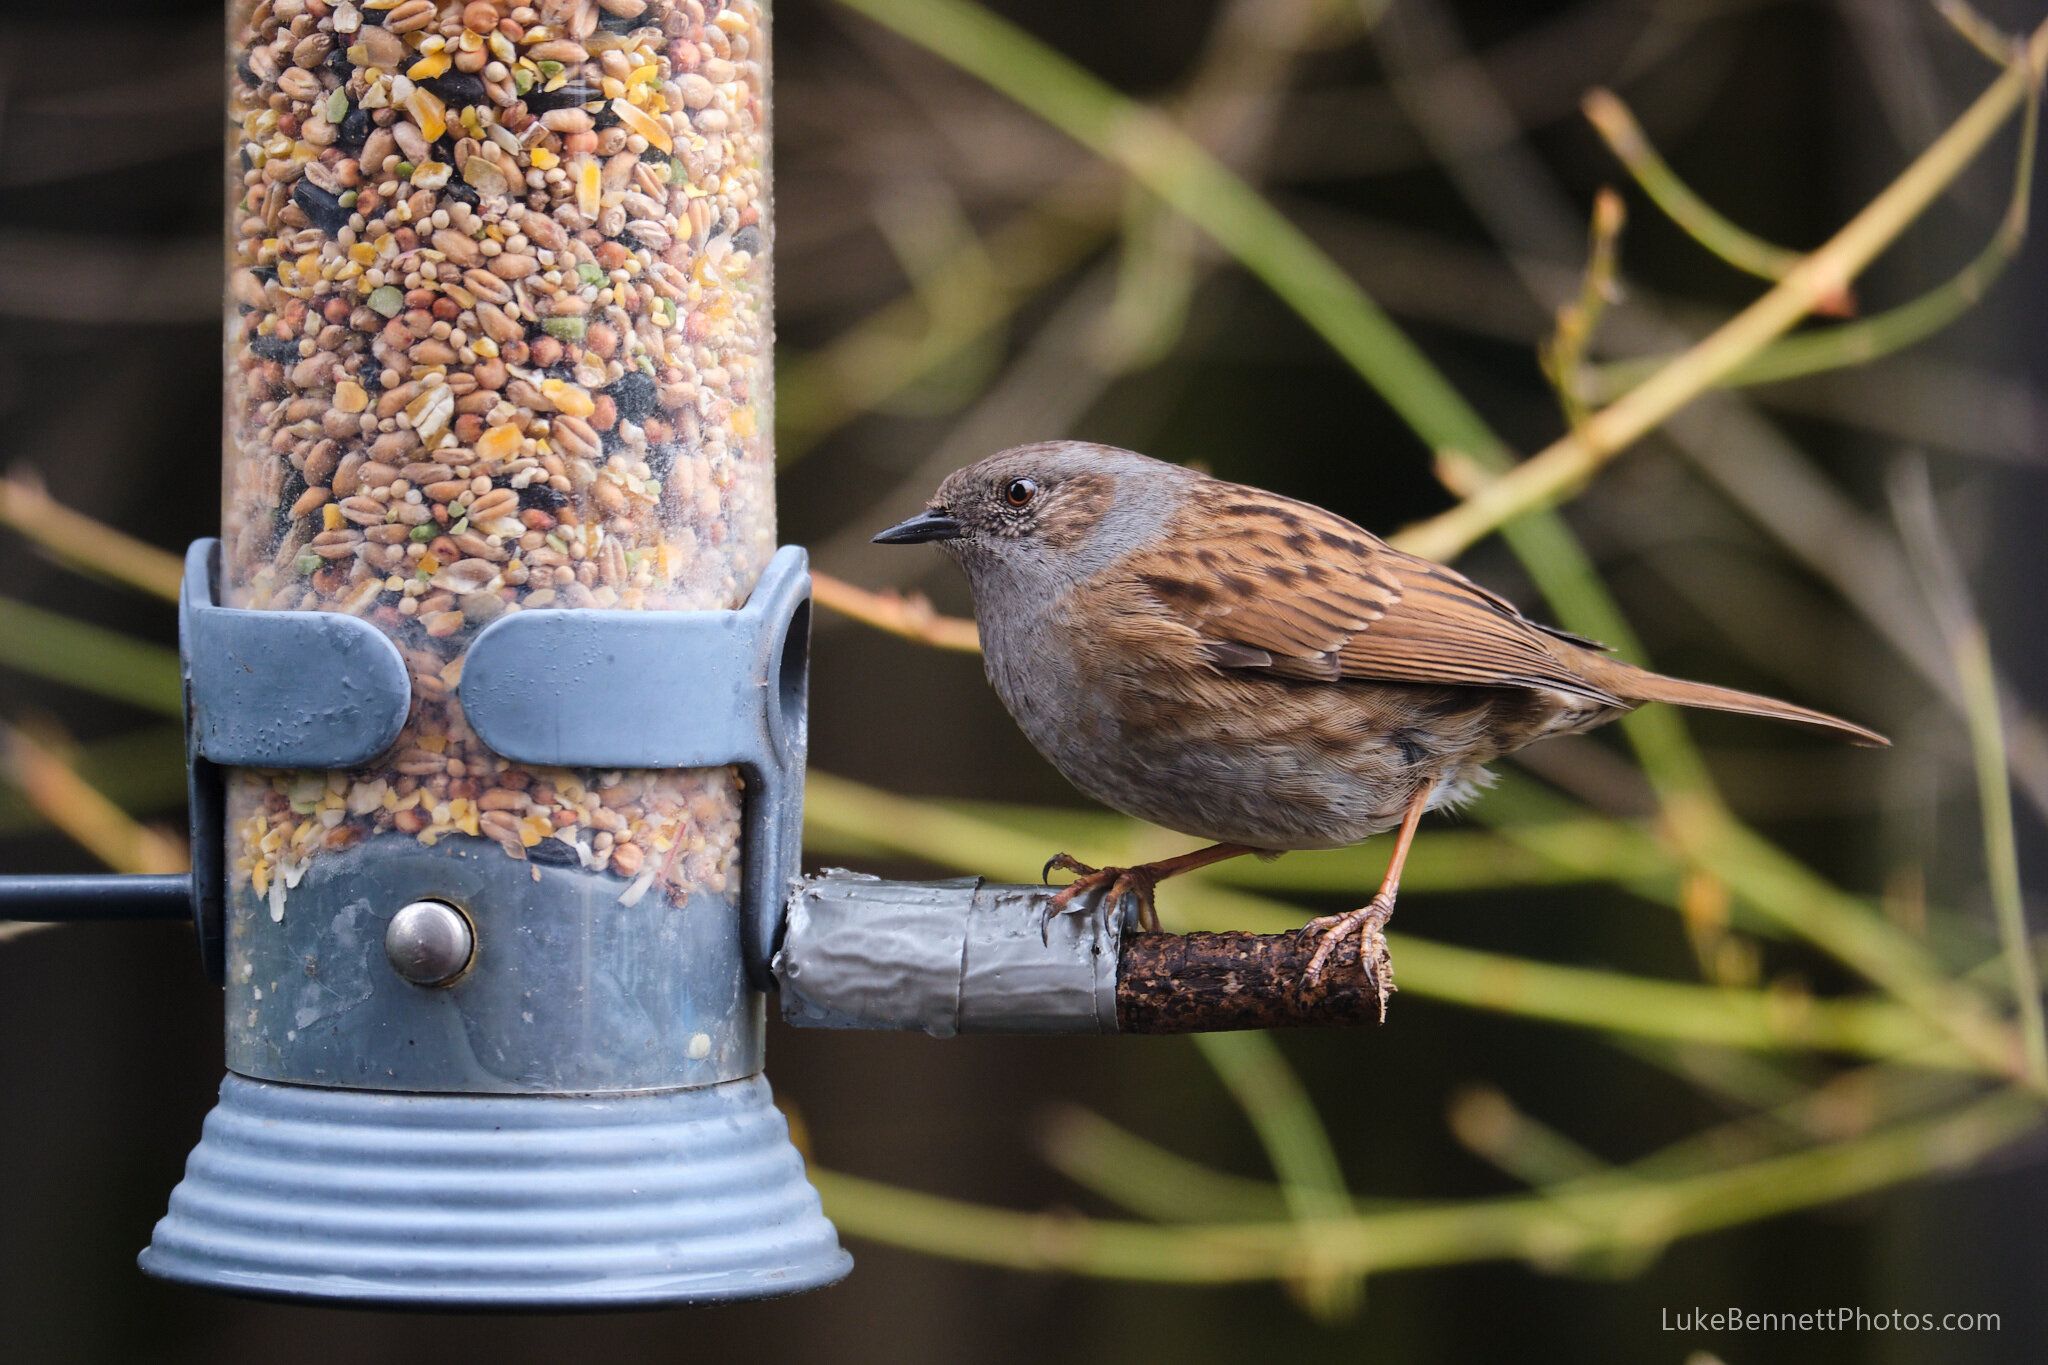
1137	881
1370	923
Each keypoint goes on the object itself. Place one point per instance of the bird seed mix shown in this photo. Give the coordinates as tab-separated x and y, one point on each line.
497	337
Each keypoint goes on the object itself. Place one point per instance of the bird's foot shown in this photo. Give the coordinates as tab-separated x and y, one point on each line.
1115	882
1370	925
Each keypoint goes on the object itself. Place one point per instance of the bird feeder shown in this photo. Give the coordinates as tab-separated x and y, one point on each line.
495	695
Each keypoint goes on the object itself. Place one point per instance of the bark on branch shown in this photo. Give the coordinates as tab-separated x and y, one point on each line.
1212	983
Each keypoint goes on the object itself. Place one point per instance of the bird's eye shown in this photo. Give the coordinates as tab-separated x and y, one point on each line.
1018	492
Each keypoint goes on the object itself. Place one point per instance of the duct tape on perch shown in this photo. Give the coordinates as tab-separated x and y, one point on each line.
973	956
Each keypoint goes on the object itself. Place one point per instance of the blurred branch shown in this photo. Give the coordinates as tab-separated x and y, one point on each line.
1147	1179
1522	848
1947	593
1852	931
167	105
1768	1020
48	645
1487	1124
63	798
1255	1072
1338	131
1155	283
1693	215
1173	165
1618	1212
1784	1114
937	249
1569	461
1894	329
83	543
1994	42
1542	853
1563	354
910	616
142	771
1910	397
963	298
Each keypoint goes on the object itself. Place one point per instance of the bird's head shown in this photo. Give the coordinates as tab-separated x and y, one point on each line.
1046	514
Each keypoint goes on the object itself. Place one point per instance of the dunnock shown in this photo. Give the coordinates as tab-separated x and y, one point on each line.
1255	671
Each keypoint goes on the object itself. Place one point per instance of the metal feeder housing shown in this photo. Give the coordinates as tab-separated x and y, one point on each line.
461	1080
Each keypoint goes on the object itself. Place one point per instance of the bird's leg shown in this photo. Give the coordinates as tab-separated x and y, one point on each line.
1370	923
1138	881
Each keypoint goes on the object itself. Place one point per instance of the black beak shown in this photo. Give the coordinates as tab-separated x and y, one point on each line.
934	523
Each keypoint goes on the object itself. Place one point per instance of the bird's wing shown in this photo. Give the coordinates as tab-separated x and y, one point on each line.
1273	584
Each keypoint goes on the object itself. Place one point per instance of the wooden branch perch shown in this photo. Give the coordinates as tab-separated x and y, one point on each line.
1214	983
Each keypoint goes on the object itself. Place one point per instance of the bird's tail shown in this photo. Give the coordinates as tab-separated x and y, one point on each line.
1633	684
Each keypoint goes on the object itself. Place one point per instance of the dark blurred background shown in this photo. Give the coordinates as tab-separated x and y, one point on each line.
1786	116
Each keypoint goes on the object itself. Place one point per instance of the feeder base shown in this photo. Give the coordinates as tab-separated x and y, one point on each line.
543	1202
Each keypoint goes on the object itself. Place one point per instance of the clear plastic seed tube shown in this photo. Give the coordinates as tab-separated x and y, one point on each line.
498	337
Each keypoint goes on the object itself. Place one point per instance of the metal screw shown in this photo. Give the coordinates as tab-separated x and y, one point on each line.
429	943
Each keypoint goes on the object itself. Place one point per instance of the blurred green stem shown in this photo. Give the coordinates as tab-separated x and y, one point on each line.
1697	218
1149	1180
1620	1212
1854	343
1853	931
1257	1075
106	662
1589	998
960	301
1562	356
1487	1123
1978	31
1927	548
1156	153
1568	462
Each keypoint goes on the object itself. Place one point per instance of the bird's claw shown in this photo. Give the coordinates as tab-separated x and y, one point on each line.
1065	862
1116	882
1369	924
